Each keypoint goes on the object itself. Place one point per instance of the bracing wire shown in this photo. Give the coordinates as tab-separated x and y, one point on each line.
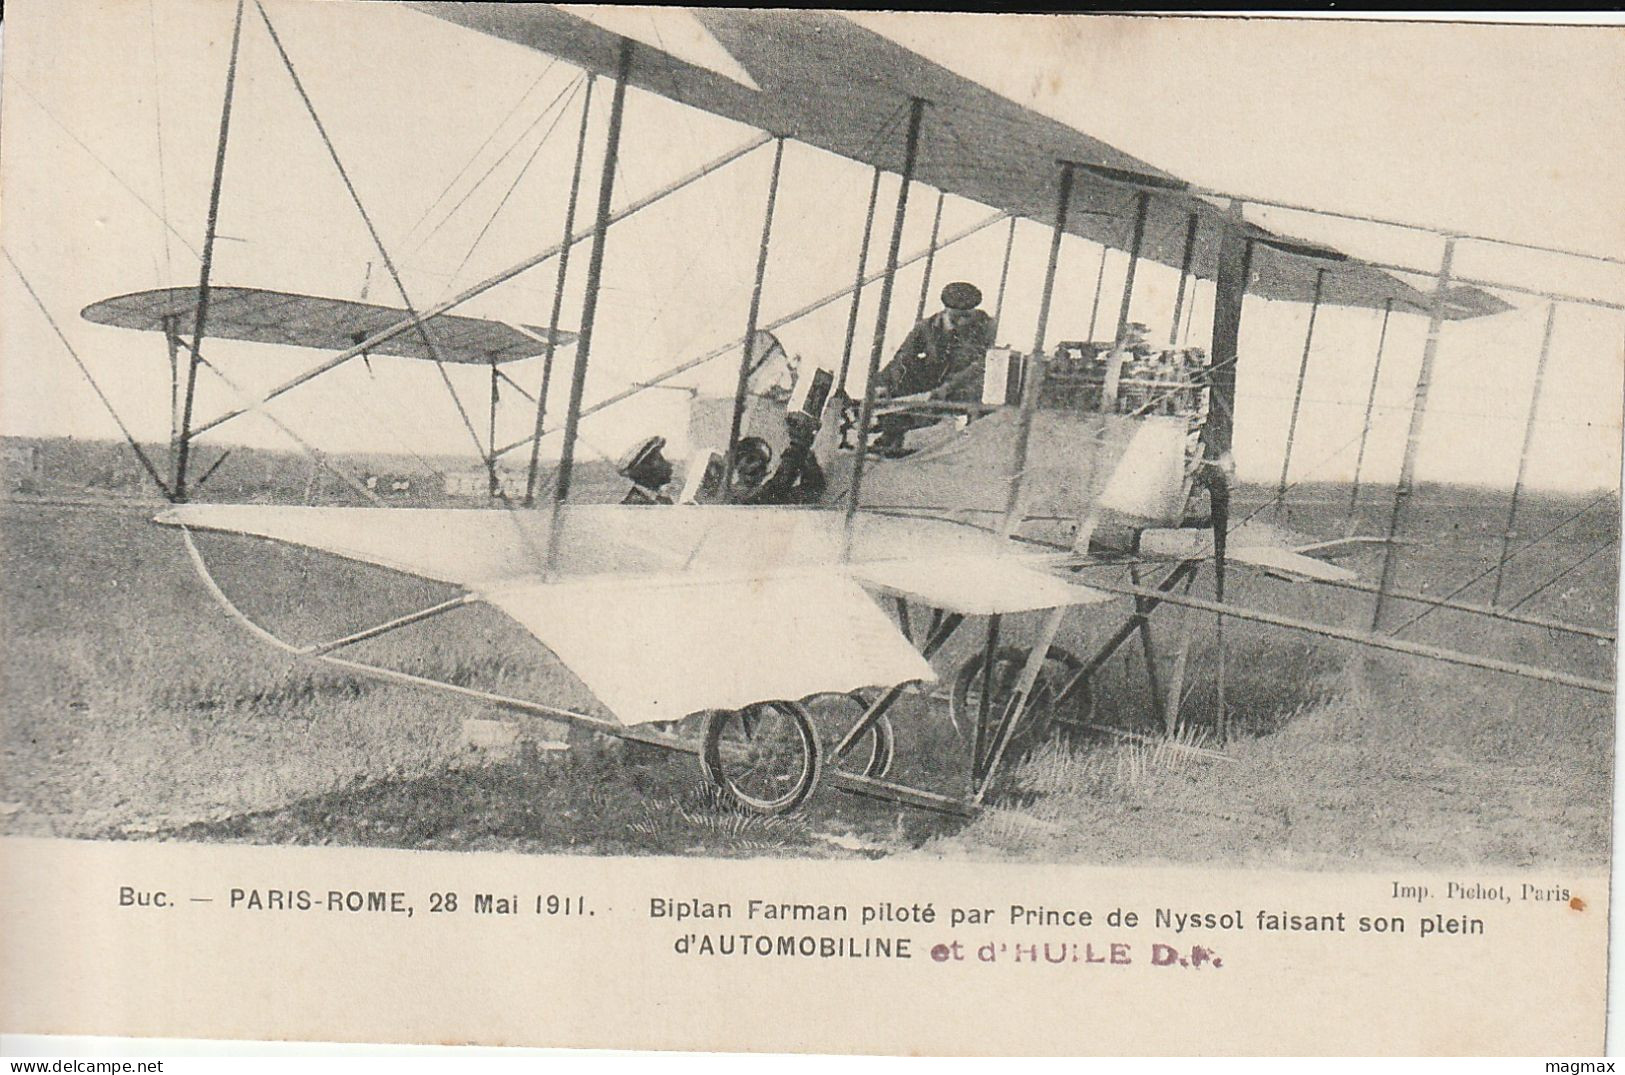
146	463
389	263
517	179
1487	572
432	206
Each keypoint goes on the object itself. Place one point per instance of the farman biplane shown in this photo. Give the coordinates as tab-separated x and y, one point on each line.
936	509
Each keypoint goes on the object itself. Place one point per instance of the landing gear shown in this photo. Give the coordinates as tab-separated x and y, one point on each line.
1045	710
873	753
765	757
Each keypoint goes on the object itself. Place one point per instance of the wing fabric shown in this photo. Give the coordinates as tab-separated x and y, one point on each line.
661	648
976	585
288	319
1284	563
822	79
1256	545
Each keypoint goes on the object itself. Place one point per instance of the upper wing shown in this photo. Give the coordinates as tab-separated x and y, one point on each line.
281	317
824	80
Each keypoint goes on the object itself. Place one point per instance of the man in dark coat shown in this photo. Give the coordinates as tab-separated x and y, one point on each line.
942	356
798	479
648	470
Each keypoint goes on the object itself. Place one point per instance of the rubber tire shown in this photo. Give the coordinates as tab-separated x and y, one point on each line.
1040	718
802	782
881	738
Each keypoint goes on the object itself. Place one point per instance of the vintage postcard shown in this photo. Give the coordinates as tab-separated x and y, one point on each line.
775	530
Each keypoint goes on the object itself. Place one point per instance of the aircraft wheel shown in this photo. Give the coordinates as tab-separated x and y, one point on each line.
964	703
832	714
764	757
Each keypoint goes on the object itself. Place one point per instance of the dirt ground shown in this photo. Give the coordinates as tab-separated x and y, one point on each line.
136	709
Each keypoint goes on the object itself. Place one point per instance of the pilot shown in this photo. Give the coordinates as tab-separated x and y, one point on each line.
751	458
798	479
649	472
943	355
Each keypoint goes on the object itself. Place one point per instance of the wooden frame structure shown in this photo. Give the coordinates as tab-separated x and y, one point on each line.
997	721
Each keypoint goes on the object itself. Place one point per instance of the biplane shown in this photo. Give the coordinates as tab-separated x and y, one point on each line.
1091	452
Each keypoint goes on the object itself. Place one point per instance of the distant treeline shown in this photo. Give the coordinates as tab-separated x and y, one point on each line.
64	466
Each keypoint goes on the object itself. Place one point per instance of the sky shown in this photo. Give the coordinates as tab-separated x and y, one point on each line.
109	113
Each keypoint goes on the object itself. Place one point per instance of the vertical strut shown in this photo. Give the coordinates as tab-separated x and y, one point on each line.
916	113
1035	362
491	442
1100	283
1413	438
1297	395
990	660
1523	455
857	283
930	259
1370	406
1143	608
1141	207
1229	297
1004	274
753	318
174	342
183	443
589	308
1191	224
558	296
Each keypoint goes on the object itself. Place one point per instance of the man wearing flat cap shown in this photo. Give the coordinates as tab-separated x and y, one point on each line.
943	356
648	470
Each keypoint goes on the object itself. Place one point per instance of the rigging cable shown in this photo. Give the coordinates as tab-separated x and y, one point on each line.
366	218
15	81
523	171
503	122
1487	572
158	112
1549	583
146	463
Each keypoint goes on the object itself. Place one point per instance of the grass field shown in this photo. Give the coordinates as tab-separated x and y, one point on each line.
136	709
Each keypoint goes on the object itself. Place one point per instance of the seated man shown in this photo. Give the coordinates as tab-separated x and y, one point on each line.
798	478
751	458
942	356
648	470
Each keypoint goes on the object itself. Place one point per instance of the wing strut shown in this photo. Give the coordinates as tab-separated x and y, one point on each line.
1413	439
916	113
589	306
1192	223
857	283
1004	274
1142	205
1297	396
1365	428
752	318
184	442
558	298
1029	396
1523	455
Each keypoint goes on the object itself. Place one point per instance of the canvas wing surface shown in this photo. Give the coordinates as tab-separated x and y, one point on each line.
820	78
255	315
976	586
660	648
